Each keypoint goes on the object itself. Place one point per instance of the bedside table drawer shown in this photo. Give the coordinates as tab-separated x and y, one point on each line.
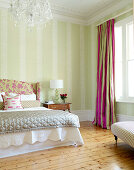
52	107
58	107
65	106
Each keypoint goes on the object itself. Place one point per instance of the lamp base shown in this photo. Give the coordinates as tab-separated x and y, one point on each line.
56	99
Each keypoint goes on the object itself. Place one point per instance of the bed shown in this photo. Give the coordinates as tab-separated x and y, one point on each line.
124	131
34	128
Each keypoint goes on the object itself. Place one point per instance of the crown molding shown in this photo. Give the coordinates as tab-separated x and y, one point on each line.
78	17
68	15
108	10
68	11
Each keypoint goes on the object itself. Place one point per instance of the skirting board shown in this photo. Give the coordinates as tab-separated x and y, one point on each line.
121	118
84	115
88	115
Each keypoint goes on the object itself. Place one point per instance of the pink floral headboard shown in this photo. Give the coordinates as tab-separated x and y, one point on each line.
19	87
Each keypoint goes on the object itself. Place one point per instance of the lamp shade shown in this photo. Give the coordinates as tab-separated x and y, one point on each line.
56	84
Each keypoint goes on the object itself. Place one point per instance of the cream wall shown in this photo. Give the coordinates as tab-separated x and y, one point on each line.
91	68
58	51
61	50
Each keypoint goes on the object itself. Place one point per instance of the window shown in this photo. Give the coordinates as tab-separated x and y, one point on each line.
124	60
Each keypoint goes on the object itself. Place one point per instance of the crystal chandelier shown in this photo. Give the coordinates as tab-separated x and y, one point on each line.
31	12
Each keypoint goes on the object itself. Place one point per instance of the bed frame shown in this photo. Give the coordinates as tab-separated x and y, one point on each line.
20	87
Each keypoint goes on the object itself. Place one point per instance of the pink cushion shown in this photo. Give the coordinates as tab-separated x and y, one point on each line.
12	102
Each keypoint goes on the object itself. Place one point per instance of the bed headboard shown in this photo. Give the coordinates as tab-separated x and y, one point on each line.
19	87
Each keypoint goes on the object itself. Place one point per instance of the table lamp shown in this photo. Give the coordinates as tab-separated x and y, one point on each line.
56	84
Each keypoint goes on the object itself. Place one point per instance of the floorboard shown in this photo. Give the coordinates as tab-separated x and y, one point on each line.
98	152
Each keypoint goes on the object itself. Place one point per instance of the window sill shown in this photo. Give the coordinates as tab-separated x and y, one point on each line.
124	101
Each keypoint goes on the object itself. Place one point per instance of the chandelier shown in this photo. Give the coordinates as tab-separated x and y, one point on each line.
31	12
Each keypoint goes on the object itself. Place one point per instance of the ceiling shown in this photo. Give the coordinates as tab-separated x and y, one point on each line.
87	11
81	6
82	11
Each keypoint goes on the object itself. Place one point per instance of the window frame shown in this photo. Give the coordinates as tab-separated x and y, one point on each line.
124	98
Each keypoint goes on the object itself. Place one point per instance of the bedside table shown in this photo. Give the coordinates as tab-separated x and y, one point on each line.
60	106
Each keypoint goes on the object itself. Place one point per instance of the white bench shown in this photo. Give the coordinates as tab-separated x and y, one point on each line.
124	131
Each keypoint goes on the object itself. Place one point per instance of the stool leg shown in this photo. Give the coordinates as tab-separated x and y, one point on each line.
116	138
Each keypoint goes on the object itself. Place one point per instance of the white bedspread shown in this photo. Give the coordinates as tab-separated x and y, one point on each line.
23	142
31	137
20	143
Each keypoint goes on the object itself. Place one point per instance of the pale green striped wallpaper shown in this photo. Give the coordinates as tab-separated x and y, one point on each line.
61	50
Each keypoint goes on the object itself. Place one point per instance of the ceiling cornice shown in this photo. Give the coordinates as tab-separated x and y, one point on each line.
69	15
77	17
68	11
108	10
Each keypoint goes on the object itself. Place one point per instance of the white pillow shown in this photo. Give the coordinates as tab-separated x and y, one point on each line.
12	94
28	97
1	99
24	97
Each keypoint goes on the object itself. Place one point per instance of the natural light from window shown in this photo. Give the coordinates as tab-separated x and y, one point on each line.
118	64
124	60
130	59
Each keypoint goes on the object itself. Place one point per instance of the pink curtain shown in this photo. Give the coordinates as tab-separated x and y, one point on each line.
105	108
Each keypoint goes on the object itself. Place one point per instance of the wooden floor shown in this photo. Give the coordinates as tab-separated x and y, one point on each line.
98	152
